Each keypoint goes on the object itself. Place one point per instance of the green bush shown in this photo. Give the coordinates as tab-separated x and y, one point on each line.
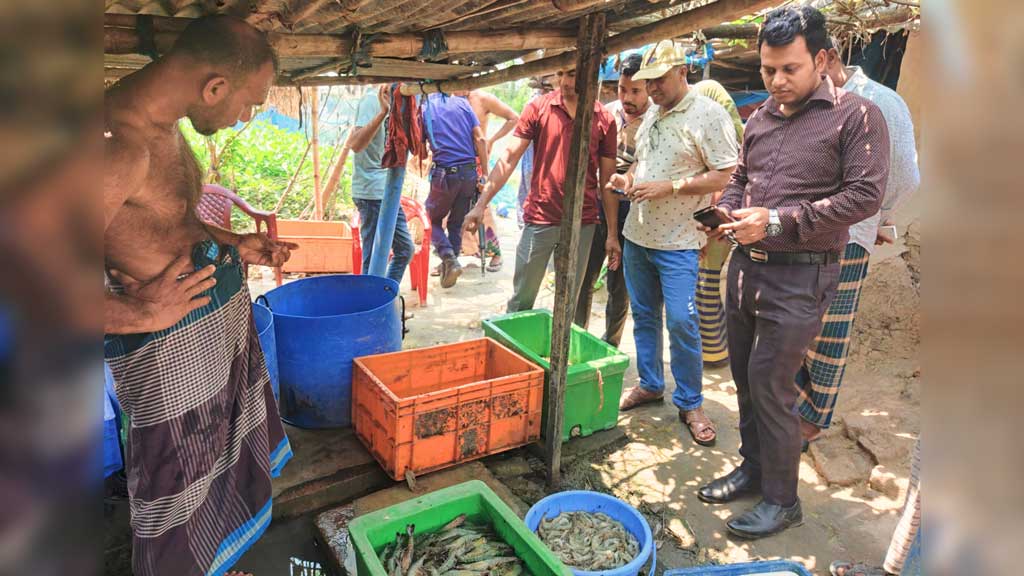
259	164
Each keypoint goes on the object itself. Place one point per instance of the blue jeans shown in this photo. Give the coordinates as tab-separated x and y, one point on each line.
401	245
451	194
657	279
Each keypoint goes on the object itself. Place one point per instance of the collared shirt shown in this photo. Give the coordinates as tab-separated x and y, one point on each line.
823	168
625	154
368	178
904	176
448	122
694	137
547	123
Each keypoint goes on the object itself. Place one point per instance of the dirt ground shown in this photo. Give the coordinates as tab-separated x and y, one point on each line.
853	480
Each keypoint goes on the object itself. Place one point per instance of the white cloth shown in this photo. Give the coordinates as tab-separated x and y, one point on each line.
694	137
904	176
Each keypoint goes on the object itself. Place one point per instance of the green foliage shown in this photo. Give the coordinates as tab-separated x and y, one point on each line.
515	94
260	162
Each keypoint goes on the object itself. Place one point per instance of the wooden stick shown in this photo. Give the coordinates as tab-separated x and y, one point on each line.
318	211
339	169
707	15
590	54
280	201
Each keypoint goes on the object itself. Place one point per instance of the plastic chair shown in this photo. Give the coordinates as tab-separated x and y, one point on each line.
215	205
419	266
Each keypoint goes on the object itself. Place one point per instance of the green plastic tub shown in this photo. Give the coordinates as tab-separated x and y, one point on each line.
371	532
596	369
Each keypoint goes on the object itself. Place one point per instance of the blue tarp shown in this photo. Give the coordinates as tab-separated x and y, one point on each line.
111	442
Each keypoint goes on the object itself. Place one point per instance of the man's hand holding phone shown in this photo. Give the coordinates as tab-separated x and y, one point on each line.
710	219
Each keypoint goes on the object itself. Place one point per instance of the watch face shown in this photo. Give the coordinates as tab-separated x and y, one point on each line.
773	229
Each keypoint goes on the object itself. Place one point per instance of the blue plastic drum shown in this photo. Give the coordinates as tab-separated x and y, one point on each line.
264	320
321	324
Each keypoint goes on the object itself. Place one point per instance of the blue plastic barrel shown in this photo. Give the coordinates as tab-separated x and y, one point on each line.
586	501
264	320
321	324
767	567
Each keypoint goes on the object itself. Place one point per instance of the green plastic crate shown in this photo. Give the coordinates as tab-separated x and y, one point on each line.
591	403
371	532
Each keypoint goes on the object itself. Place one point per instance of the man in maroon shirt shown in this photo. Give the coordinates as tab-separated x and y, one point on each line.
815	160
547	122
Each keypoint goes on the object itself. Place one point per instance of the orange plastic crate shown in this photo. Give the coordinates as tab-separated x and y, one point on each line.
427	409
323	246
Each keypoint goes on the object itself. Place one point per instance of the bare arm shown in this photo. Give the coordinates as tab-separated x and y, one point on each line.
159	303
362	135
480	144
498	177
127	163
495	106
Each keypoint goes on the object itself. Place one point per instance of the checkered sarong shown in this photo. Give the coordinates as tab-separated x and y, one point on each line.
714	344
205	437
822	372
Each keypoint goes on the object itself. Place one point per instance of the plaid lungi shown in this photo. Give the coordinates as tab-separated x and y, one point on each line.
714	344
823	368
205	437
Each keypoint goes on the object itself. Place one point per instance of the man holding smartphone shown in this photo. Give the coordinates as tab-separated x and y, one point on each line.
686	149
815	161
823	368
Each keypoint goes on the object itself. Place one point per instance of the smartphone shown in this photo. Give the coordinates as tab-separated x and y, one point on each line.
712	217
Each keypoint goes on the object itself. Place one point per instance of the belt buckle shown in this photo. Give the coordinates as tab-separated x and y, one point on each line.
758	255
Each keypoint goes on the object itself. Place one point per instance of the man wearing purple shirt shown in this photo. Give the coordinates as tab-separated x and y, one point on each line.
814	161
457	143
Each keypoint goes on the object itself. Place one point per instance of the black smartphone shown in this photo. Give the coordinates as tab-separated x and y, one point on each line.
712	217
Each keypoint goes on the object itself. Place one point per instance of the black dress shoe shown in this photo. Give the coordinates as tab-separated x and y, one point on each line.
765	519
737	483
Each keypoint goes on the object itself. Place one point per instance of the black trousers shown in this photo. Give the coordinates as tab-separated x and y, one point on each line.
773	313
617	308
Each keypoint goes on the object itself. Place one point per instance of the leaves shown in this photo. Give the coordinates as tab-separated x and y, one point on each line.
259	163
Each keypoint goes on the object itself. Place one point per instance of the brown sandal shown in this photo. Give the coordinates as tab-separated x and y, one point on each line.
637	396
697	422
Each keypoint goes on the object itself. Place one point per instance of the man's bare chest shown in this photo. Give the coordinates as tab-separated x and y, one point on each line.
173	183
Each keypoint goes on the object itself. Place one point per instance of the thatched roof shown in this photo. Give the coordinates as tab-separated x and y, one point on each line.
369	41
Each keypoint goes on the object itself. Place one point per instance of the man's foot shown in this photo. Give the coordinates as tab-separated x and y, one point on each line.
840	568
765	519
809	432
637	396
730	487
450	271
701	428
495	264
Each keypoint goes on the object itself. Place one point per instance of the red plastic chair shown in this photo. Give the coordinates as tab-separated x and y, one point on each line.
419	266
215	205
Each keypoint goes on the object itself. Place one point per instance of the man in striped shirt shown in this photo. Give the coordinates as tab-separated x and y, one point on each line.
815	160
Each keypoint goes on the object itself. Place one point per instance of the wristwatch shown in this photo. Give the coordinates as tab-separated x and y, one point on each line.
774	226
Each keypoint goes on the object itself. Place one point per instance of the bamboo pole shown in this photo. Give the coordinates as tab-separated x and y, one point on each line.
590	54
291	183
318	210
707	15
336	173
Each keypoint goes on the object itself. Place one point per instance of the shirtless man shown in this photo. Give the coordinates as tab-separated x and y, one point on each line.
485	105
205	437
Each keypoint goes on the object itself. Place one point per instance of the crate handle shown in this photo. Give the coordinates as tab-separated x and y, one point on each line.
600	391
265	302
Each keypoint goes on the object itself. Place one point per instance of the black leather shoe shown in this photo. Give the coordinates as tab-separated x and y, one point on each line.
733	485
765	519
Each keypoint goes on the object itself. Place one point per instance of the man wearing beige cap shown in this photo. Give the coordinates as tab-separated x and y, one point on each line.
686	149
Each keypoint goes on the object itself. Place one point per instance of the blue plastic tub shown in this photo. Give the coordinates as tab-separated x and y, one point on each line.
264	320
766	568
320	325
585	501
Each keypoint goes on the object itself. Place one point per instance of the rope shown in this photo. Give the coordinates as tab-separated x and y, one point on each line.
360	54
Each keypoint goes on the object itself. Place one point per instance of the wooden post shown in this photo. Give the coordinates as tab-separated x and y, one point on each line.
590	42
318	210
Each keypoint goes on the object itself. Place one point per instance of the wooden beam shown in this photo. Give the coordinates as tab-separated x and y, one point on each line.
733	31
120	37
590	53
413	69
707	15
341	81
577	5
